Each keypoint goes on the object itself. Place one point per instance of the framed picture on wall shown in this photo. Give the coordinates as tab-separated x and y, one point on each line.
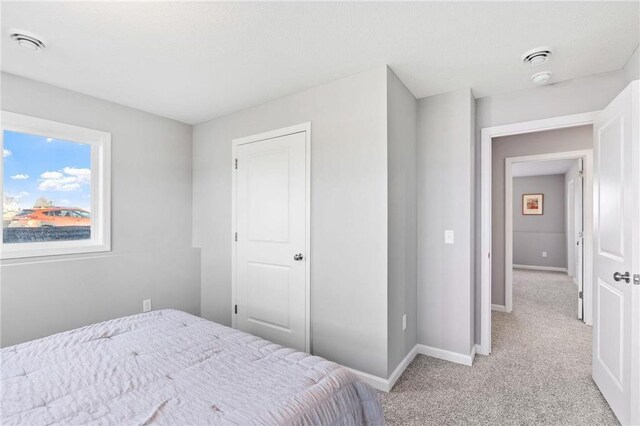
532	204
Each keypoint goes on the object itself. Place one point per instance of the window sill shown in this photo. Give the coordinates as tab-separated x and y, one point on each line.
52	249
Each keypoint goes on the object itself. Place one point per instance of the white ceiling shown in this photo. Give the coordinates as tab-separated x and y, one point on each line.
541	168
193	61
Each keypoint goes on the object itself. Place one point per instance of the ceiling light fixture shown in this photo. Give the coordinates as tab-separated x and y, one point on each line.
541	77
537	56
27	40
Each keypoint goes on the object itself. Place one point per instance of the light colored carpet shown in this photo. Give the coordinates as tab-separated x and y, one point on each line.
539	371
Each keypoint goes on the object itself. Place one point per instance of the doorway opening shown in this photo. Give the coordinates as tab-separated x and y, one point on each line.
612	248
488	173
549	222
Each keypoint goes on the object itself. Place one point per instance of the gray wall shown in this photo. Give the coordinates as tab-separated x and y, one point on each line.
402	109
571	139
445	149
151	253
533	234
348	212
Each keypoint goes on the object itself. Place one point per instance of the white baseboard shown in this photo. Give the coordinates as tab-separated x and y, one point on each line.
498	308
373	381
478	348
465	359
540	268
393	378
385	385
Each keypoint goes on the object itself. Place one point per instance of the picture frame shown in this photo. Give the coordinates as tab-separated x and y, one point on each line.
533	204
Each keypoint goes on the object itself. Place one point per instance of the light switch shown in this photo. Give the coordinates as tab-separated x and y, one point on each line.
544	254
448	236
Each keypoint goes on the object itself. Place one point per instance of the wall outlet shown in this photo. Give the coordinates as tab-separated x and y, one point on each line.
404	322
146	305
544	254
448	236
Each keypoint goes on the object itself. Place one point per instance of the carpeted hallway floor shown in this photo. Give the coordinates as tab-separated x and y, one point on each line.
539	371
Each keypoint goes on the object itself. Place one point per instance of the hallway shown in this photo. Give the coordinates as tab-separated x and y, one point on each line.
539	370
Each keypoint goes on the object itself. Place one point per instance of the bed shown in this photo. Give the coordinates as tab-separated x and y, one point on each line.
170	367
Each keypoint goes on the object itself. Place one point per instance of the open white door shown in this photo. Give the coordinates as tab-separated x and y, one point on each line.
616	322
578	210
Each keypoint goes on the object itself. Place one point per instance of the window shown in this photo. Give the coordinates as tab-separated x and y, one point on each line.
55	188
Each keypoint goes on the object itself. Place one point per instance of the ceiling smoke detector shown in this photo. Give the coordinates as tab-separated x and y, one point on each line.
27	40
537	56
541	77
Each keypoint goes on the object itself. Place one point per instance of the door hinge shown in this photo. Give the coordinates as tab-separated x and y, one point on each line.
580	295
236	164
235	310
581	173
636	279
236	237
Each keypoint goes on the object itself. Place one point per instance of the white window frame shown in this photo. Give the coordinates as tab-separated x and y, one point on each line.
100	143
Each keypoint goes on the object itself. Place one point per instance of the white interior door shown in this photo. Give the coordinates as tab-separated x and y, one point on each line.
271	288
571	229
579	234
616	323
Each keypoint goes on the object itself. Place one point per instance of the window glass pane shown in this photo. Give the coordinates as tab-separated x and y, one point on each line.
46	189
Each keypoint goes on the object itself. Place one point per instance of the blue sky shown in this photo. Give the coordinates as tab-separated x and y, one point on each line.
37	166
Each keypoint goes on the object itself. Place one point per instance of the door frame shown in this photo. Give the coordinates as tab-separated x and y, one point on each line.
587	225
487	134
272	134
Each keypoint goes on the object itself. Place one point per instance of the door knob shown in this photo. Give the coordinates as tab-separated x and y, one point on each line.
619	277
298	257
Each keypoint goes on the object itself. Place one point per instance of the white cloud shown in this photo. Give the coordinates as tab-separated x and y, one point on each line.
83	175
20	176
70	186
51	175
68	183
71	179
5	152
49	139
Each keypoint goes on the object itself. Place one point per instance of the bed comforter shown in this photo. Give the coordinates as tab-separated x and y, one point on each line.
169	367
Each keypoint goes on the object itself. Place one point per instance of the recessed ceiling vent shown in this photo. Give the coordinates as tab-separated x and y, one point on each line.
537	56
27	40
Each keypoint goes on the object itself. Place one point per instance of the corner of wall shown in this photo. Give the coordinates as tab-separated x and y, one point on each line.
632	67
402	221
445	156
